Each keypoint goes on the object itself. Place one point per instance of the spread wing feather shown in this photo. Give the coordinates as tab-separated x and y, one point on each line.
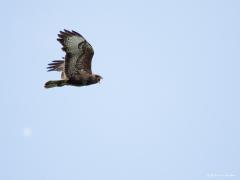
56	65
79	52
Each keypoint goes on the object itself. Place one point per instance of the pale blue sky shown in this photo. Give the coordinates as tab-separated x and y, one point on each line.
167	108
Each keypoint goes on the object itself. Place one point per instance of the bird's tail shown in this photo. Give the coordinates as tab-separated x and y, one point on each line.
59	83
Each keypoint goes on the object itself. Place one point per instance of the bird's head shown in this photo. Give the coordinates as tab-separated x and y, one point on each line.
98	78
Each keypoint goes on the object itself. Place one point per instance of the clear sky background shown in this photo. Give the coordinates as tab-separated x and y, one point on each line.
167	108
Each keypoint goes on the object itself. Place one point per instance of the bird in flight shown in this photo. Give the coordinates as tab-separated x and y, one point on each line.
76	65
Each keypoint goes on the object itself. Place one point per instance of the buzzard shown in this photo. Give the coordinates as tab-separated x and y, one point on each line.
76	65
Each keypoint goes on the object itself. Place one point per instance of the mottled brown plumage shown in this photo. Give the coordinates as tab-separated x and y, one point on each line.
76	65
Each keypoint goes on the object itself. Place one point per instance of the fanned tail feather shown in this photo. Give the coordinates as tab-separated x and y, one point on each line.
59	83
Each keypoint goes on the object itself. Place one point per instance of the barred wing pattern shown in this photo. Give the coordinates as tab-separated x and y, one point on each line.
79	53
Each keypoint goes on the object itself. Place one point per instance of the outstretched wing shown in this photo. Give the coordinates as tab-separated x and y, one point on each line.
79	52
56	65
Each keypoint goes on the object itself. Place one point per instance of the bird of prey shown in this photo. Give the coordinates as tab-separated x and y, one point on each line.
76	65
